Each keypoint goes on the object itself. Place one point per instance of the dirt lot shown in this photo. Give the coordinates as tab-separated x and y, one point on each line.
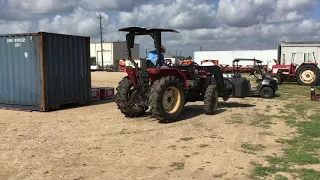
97	142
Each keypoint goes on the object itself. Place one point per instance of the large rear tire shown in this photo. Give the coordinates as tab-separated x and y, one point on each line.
308	75
167	99
123	96
277	78
211	100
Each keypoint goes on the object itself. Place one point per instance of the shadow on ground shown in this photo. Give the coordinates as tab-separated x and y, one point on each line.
234	105
74	106
192	111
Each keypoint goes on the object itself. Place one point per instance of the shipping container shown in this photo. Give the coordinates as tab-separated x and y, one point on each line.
43	71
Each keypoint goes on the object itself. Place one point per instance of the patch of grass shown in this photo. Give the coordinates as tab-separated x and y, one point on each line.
213	136
152	168
177	165
280	177
252	148
186	139
203	145
281	141
234	120
266	133
220	175
268	108
309	174
172	147
303	149
262	120
289	91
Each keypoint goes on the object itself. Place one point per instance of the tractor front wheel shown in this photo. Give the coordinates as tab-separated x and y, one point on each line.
211	100
124	99
308	75
167	99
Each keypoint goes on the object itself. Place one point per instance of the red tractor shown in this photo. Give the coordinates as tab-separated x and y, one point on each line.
165	91
306	73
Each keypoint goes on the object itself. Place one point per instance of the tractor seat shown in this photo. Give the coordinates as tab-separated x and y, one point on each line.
237	74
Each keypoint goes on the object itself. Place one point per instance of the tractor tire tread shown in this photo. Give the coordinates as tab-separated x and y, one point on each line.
121	98
271	92
210	100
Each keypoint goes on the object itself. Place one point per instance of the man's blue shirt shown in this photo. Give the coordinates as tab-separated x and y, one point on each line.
153	57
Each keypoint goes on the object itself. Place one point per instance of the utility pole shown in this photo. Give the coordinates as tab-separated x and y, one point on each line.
101	28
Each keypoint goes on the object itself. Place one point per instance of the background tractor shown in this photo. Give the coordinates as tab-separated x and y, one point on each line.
165	91
306	73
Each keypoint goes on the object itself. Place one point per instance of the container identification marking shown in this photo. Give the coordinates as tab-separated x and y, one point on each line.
17	41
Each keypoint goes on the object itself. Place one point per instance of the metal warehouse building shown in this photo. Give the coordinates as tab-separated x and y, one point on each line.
112	53
303	52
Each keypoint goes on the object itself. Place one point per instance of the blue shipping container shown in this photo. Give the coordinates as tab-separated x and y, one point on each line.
43	71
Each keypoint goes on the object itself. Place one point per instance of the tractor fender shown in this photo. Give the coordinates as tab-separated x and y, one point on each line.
309	64
158	73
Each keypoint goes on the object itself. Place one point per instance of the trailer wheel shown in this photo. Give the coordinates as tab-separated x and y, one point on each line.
167	99
211	100
267	92
123	98
308	75
277	78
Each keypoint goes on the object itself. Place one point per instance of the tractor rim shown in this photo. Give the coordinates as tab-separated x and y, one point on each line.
308	76
171	100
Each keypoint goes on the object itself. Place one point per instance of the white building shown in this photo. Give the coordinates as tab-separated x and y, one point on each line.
226	57
112	53
304	52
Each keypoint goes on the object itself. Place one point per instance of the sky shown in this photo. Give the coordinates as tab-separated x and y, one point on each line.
210	24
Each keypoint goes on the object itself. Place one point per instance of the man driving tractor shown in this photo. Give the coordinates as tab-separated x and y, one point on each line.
153	56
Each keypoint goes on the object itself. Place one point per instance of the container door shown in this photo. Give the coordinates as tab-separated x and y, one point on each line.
19	71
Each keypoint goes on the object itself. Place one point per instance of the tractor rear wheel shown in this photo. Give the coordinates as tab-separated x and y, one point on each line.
124	97
167	99
211	100
308	75
277	78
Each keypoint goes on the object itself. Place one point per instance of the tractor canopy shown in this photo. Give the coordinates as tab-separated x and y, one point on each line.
155	33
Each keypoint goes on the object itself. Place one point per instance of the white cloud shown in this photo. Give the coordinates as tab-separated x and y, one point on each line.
15	27
79	22
230	24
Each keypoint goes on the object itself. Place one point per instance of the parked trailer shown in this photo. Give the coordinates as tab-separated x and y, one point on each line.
43	71
226	57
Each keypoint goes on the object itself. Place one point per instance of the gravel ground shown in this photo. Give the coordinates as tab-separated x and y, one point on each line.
97	142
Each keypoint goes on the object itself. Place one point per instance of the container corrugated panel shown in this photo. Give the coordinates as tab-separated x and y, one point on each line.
43	71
